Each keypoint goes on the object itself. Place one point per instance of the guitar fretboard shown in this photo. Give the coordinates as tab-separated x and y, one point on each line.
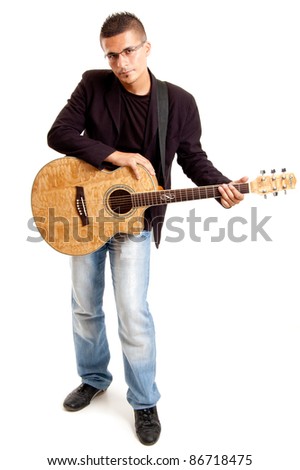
167	196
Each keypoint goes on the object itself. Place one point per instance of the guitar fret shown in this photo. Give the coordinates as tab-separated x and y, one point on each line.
180	196
189	195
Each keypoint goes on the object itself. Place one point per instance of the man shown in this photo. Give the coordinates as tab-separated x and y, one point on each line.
111	119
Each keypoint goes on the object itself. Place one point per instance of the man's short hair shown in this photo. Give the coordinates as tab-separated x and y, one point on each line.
118	23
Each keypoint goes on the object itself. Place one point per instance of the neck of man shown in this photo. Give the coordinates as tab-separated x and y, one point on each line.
141	86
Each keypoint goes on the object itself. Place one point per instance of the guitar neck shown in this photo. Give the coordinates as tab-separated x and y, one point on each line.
167	196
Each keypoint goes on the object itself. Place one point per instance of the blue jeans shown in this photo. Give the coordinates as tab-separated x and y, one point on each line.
129	260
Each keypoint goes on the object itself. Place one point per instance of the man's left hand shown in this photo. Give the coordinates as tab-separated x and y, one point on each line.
230	196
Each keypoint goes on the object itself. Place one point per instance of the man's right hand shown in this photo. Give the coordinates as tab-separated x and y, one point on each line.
131	160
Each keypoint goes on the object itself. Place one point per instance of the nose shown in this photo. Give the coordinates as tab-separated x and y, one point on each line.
122	60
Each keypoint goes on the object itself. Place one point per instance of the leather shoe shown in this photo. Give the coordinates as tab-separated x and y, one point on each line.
147	425
81	397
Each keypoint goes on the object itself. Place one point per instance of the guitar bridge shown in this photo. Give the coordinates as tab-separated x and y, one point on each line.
81	206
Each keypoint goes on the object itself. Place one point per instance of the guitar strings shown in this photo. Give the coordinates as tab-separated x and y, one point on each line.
202	191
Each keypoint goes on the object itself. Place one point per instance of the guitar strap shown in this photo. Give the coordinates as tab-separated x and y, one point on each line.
163	111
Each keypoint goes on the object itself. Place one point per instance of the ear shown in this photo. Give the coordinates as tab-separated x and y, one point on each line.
148	48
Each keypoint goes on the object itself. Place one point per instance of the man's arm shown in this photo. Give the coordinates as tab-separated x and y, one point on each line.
68	133
196	165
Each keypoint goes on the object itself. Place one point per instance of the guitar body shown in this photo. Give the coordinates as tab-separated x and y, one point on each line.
76	207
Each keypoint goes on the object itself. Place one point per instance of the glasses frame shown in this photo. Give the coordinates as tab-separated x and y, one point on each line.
114	56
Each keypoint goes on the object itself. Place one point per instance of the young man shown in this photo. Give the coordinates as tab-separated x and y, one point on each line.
111	119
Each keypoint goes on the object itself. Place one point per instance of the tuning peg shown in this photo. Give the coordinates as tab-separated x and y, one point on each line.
273	171
275	193
283	170
262	172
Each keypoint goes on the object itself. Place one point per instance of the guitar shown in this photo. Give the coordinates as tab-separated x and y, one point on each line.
77	208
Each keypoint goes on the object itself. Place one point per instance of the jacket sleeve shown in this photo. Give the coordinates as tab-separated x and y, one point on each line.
190	154
69	135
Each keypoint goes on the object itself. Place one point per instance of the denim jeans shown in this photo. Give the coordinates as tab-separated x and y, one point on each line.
129	261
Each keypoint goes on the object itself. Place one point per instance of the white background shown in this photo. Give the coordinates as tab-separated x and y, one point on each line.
226	314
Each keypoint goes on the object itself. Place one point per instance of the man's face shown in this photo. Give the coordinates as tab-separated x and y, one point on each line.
127	56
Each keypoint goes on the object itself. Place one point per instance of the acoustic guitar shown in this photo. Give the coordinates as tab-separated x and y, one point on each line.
78	208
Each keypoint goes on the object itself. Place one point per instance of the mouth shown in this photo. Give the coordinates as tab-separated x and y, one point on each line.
125	73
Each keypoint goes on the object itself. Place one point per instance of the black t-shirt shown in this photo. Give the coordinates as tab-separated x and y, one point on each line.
134	112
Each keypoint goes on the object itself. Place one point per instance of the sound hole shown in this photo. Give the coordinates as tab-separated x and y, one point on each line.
120	201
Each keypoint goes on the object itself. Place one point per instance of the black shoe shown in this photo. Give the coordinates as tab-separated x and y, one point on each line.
147	425
81	397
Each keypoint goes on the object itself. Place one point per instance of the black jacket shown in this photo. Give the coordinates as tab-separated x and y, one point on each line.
88	128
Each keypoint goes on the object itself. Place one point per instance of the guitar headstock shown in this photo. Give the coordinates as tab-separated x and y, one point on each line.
266	184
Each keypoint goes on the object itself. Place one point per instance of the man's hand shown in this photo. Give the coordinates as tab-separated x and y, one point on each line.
230	196
131	160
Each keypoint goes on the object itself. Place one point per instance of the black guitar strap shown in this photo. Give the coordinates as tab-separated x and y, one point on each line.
163	111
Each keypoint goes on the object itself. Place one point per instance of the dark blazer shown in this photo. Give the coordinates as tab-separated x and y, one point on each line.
88	128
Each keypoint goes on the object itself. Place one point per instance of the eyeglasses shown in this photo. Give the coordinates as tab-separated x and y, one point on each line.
127	52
